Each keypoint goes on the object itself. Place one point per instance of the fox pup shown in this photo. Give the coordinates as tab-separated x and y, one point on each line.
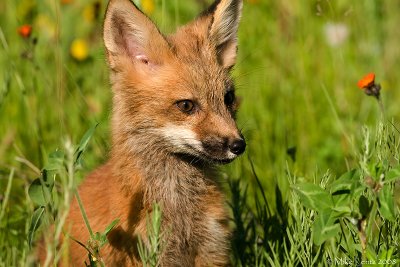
172	122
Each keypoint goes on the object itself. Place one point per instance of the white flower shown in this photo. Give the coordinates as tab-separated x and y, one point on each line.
336	33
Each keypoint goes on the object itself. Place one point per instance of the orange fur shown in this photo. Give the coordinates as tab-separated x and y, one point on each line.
161	153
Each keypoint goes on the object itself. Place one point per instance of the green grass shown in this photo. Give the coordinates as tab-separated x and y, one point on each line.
299	95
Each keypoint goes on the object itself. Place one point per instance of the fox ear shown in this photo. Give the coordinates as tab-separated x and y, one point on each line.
129	32
224	27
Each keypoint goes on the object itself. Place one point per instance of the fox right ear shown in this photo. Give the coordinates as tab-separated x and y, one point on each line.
224	28
128	32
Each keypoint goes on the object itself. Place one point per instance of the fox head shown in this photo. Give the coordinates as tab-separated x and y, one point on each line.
174	93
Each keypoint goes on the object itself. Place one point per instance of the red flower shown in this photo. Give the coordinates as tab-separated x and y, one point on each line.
25	30
367	81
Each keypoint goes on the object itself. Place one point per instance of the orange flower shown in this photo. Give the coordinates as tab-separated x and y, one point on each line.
367	81
25	30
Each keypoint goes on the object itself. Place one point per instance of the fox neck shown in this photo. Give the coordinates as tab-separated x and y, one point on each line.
142	163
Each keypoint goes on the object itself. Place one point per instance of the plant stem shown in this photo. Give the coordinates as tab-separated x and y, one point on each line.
7	194
85	218
381	107
339	122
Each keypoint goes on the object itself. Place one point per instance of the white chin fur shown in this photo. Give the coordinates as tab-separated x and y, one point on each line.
230	155
181	138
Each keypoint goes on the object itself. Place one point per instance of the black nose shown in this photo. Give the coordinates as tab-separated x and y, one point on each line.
237	146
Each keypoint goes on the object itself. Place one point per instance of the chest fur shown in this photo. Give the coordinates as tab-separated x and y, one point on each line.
194	219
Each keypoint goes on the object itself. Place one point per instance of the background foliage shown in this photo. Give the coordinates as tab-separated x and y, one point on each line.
305	121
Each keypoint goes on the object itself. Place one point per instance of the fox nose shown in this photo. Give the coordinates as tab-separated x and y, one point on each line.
238	146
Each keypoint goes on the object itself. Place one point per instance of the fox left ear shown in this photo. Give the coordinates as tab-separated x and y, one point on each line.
224	27
128	32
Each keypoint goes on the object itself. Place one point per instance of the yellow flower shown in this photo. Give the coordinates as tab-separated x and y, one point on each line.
89	13
148	6
79	49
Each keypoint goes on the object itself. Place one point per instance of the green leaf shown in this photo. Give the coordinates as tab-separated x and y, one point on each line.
97	236
102	237
341	199
386	203
55	161
39	193
35	223
371	255
346	190
342	211
393	174
110	226
386	254
346	182
357	191
313	196
84	142
325	227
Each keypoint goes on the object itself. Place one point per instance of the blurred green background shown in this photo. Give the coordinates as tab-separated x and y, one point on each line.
297	72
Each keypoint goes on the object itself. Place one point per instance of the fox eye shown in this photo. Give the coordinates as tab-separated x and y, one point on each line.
229	98
186	106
